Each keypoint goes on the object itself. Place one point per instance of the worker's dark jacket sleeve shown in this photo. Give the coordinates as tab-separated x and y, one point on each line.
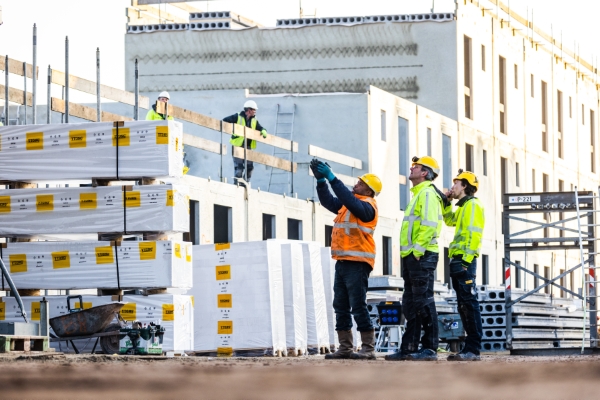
232	119
360	209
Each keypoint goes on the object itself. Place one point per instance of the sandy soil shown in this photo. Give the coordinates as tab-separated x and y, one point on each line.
123	377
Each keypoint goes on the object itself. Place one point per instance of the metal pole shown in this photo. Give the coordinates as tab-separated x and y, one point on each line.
6	91
24	93
34	78
98	106
49	101
245	158
67	80
221	150
136	108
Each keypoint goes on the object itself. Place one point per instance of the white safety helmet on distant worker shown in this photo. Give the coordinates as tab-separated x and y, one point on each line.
165	95
250	104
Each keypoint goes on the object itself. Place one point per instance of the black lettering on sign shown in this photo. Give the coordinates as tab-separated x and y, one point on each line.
147	249
169	312
3	204
60	258
87	201
75	138
33	140
20	262
163	135
223	272
103	254
43	203
127	311
132	198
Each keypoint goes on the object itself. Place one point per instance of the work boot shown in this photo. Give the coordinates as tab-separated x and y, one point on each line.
467	356
367	351
345	350
397	356
423	355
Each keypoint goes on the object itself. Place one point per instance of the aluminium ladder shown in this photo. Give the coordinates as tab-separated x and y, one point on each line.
281	181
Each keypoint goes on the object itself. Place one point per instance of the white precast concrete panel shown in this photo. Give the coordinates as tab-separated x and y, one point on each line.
316	311
294	298
328	265
90	265
89	150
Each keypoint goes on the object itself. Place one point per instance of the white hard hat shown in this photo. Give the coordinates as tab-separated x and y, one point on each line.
251	104
165	94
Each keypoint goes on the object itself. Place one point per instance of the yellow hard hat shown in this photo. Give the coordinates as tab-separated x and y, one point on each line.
428	162
372	181
469	176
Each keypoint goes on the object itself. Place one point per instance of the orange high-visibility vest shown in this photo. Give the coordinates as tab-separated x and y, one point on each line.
351	238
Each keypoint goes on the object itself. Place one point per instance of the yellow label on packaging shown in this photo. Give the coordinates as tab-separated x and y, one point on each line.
188	253
221	246
162	135
18	263
223	272
44	202
129	312
104	255
192	298
86	305
224	301
177	250
123	137
34	141
132	199
35	310
225	327
224	351
4	204
88	201
176	144
168	312
61	259
170	198
77	139
147	250
2	311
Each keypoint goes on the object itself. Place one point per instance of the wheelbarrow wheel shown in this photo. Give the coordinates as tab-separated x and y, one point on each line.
110	344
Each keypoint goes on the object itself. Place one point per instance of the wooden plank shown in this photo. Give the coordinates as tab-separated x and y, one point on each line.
16	95
204	144
16	67
142	2
265	159
155	12
335	157
84	112
346	179
107	92
214	124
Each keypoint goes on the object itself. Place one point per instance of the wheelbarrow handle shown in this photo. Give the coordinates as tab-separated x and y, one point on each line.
78	296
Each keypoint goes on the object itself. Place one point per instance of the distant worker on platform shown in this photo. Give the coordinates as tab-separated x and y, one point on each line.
469	220
353	247
153	115
246	118
419	249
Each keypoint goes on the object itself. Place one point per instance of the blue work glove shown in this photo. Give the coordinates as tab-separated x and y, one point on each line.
264	133
324	170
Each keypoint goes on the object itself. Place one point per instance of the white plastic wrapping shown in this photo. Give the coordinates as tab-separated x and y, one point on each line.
106	265
328	265
294	299
238	290
163	208
175	312
89	150
316	312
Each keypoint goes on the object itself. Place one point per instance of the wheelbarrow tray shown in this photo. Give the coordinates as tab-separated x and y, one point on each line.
85	322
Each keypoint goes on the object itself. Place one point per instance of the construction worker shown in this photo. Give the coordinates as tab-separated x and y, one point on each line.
421	227
469	220
246	118
353	247
152	115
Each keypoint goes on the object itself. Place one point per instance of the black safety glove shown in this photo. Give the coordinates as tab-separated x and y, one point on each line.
444	198
313	166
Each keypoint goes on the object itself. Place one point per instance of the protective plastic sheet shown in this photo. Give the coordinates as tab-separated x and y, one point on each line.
89	150
238	289
316	311
106	265
294	298
175	312
328	265
162	208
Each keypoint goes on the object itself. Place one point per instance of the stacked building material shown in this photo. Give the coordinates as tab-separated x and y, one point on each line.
328	265
294	297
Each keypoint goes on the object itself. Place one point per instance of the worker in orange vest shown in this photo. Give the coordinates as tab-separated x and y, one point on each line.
353	246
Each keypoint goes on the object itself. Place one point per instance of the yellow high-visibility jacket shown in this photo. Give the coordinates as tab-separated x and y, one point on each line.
469	220
422	221
154	116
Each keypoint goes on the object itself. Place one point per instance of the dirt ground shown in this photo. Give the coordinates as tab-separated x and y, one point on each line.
127	377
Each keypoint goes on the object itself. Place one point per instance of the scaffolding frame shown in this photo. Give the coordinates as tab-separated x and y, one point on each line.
515	208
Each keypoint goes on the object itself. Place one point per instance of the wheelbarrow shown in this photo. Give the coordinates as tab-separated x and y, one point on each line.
89	323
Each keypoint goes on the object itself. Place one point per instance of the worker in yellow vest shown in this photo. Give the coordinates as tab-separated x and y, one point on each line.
469	220
245	118
153	115
353	246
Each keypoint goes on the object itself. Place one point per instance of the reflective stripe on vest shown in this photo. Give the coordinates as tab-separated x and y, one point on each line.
239	140
411	218
458	242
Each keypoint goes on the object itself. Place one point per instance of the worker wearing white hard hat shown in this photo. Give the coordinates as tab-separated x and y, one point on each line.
246	118
153	115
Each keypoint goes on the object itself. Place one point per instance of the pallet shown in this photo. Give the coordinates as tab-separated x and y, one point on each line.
257	352
12	343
